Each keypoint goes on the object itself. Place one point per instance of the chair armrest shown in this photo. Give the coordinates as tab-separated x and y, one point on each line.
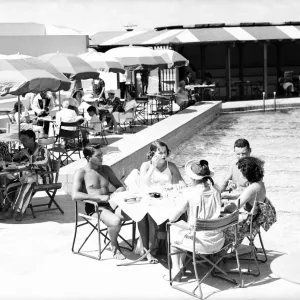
178	225
93	203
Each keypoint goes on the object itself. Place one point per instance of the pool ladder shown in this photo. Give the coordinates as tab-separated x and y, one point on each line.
264	104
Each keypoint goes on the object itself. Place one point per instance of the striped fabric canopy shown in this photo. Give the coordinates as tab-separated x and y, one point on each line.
197	35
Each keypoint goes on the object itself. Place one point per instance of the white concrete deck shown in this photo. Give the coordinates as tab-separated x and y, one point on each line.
37	263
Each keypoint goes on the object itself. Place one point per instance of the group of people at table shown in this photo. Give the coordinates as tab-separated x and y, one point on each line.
186	95
91	109
242	185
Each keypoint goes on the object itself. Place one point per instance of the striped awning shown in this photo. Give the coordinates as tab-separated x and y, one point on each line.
124	38
197	35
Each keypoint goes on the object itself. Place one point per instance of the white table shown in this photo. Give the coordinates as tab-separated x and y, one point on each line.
192	87
158	208
202	88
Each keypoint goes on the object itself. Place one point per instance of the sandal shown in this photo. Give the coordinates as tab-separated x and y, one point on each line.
18	216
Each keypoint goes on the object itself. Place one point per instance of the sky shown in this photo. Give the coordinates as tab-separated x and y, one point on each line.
91	16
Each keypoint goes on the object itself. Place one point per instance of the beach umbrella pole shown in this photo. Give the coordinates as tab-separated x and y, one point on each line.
19	118
59	101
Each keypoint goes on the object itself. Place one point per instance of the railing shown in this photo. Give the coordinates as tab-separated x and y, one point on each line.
264	102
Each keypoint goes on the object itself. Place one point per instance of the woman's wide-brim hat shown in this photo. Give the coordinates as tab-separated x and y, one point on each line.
195	171
77	90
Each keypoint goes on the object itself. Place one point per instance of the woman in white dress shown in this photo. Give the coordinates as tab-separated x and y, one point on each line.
157	172
205	195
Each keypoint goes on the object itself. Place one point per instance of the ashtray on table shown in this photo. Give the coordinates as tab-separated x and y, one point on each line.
132	199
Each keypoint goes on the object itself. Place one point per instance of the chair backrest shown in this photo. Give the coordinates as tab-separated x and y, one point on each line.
217	224
14	128
69	134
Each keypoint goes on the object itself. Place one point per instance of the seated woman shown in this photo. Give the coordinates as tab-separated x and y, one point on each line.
120	117
205	195
182	95
24	117
264	215
158	171
75	100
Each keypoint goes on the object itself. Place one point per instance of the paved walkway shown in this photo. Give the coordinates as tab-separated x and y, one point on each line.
37	263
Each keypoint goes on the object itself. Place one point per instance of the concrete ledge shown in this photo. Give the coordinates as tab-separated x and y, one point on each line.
132	149
254	105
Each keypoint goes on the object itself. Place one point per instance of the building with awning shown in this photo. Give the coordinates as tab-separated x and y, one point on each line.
243	58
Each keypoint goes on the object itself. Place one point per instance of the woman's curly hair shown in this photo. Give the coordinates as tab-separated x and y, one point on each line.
252	168
157	144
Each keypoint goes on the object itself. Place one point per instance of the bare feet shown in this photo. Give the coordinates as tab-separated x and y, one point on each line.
151	259
117	254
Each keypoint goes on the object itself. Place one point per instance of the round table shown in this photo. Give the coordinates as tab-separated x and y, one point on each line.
287	267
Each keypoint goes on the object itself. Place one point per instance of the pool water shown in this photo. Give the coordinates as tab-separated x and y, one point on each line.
273	136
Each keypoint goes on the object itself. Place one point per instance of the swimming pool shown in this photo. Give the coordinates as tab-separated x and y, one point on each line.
273	136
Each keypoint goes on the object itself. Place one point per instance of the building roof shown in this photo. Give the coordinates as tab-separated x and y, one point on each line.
18	29
201	33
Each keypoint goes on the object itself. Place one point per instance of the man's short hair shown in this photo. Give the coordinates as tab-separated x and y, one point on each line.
90	150
30	133
241	143
92	109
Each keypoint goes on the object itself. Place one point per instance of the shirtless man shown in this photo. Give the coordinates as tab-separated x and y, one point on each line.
91	183
238	181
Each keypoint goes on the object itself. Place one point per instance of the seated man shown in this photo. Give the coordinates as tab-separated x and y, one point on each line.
239	182
287	86
42	105
115	105
91	183
35	156
68	115
95	122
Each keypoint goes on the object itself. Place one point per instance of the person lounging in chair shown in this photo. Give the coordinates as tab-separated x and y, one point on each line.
91	183
36	157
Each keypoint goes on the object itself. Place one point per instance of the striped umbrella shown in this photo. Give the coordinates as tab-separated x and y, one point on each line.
138	58
21	74
24	74
173	58
103	62
71	65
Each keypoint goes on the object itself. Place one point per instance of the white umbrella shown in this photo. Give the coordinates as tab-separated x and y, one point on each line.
71	65
173	58
103	62
137	58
